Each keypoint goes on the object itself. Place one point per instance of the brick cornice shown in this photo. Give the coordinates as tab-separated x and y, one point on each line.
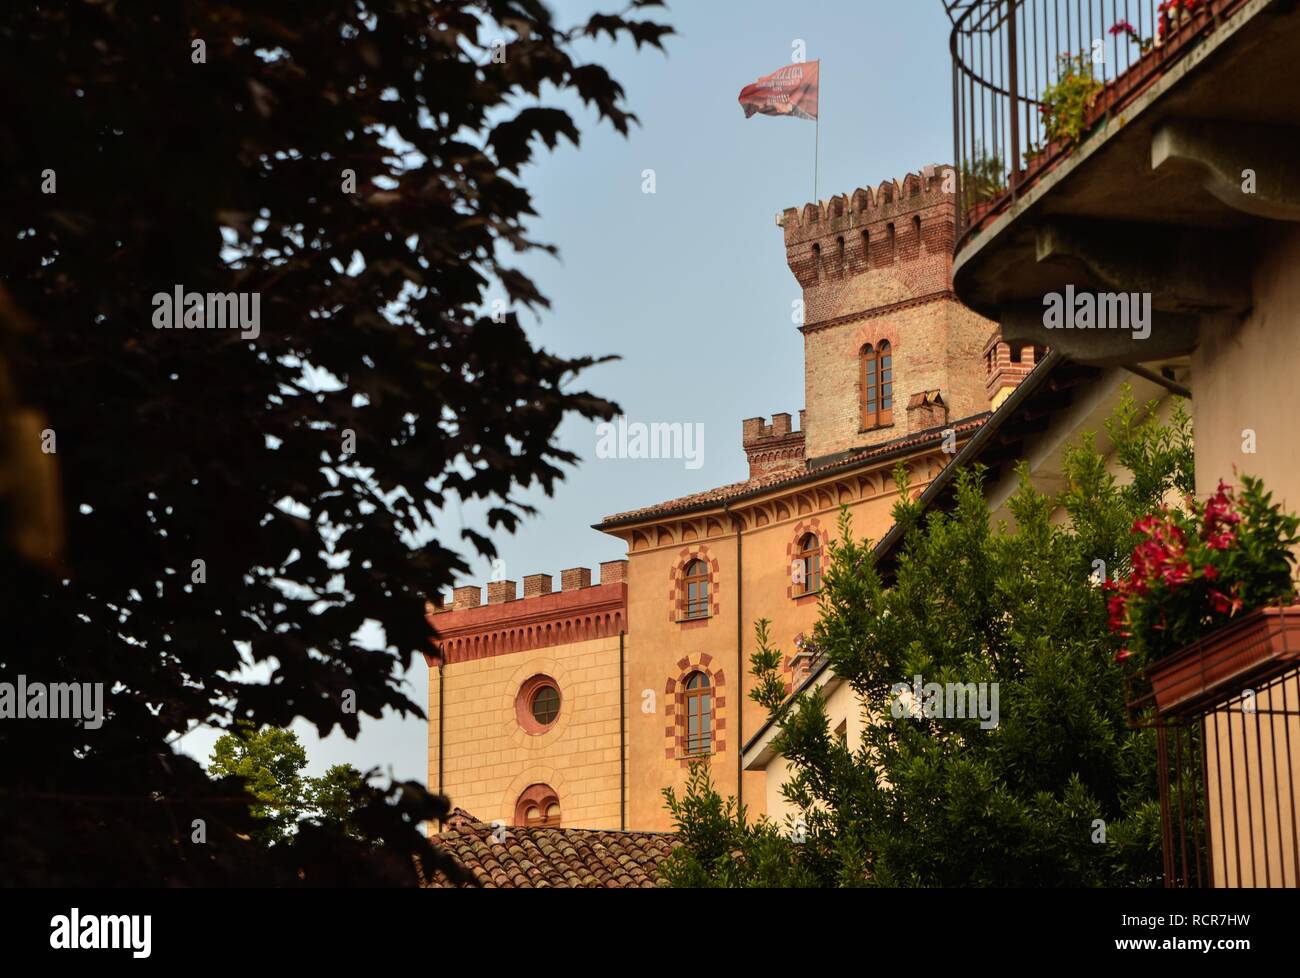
517	626
878	311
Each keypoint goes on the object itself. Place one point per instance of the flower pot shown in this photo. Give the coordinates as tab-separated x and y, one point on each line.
1226	660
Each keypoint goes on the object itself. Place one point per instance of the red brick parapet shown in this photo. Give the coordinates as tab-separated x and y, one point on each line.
531	623
773	447
1005	368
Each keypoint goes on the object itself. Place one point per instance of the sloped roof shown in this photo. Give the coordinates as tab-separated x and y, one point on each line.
815	469
553	857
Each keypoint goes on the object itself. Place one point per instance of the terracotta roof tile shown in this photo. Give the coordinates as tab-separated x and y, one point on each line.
559	857
774	480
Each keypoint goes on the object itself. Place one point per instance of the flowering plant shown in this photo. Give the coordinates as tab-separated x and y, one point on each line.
1196	569
1129	31
1171	13
806	645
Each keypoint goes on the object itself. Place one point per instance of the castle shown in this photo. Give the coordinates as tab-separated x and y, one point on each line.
577	707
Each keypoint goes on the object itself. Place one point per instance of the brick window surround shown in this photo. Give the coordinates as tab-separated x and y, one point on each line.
675	709
876	382
677	596
524	703
543	798
874	334
792	549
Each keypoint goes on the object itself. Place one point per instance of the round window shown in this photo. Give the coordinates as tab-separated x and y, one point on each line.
537	705
546	704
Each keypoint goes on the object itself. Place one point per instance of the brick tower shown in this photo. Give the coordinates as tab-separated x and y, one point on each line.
888	348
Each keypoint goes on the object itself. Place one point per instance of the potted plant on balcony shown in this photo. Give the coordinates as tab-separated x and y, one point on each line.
983	181
1208	595
1172	15
1067	102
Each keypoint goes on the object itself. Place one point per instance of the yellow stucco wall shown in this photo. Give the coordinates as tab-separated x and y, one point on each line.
1244	388
658	642
1244	380
491	759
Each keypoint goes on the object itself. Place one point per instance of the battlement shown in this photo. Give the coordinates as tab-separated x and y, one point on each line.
875	266
863	207
773	446
907	224
1005	367
580	611
535	585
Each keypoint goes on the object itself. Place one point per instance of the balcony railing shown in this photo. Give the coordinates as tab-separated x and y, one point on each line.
1227	730
1010	58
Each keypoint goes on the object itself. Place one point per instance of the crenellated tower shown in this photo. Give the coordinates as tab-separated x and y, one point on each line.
889	351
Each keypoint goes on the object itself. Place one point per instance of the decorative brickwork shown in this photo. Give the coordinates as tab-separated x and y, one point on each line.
772	447
675	712
677	590
538	621
926	410
1005	368
541	797
524	704
801	529
877	265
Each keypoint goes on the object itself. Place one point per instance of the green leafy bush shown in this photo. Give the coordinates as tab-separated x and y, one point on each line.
1067	101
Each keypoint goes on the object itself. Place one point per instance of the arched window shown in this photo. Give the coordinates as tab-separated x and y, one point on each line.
877	385
699	714
810	560
695	589
538	807
885	359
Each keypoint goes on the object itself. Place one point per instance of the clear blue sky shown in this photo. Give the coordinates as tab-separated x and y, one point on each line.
689	285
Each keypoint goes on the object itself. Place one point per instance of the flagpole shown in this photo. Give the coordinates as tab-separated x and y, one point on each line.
817	135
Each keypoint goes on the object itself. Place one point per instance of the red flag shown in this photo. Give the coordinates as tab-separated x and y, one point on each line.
791	91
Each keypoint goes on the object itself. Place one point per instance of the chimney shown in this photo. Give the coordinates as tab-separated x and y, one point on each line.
613	571
535	584
926	409
573	578
470	596
499	592
805	659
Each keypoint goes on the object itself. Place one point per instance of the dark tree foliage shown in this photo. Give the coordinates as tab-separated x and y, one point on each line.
229	174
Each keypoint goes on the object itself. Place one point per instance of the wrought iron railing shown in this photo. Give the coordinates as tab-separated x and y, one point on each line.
1228	756
1013	120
